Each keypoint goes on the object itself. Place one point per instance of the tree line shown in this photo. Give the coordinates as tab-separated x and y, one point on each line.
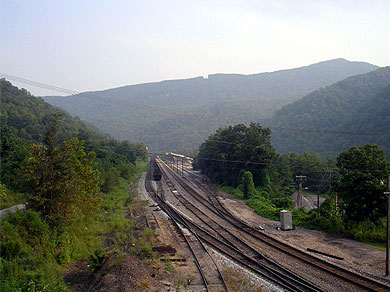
243	162
62	169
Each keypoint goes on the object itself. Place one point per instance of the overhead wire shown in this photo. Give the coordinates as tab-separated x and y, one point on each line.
180	112
112	100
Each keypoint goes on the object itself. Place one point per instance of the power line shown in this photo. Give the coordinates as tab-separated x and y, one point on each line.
270	163
181	112
94	96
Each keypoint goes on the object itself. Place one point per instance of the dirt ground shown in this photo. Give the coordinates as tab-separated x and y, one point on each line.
357	256
123	272
120	272
126	273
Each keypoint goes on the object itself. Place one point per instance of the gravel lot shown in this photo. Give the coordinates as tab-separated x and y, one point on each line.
356	256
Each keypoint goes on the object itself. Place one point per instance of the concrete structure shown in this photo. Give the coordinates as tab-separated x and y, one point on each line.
285	220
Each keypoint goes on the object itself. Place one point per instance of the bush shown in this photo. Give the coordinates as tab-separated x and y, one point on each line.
126	170
236	192
263	207
27	262
283	202
9	198
96	259
368	231
110	179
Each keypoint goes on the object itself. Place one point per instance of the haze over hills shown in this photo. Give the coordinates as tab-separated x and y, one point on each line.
359	103
180	114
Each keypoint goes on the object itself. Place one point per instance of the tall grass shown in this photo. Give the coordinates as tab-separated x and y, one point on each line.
33	253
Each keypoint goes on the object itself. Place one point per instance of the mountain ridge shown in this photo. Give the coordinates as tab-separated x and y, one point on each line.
341	107
245	97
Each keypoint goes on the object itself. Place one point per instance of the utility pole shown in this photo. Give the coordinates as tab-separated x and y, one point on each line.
318	201
387	224
182	162
299	203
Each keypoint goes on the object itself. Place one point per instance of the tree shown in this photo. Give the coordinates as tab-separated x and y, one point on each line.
225	153
248	186
13	152
64	181
309	165
359	188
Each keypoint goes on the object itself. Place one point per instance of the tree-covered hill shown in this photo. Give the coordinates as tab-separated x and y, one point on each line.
223	97
357	104
26	119
74	182
29	116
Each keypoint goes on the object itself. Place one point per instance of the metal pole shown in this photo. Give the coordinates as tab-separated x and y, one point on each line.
299	195
182	165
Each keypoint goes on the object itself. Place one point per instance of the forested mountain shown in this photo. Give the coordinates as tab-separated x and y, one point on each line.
26	119
30	116
357	104
67	174
180	114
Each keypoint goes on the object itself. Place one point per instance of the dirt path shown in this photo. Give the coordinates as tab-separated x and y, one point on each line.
356	256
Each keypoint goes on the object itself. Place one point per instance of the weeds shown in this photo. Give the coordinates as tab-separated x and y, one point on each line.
239	283
169	267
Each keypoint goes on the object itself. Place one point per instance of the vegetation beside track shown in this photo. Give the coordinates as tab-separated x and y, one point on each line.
75	182
241	161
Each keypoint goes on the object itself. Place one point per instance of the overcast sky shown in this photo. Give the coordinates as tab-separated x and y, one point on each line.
90	45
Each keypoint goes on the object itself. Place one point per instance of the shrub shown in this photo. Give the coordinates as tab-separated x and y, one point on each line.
96	260
27	262
263	207
282	202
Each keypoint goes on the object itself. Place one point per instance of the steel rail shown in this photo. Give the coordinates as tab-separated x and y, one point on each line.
344	274
241	245
178	220
275	270
245	261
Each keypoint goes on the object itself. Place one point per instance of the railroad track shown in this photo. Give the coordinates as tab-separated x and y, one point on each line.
211	277
356	279
229	244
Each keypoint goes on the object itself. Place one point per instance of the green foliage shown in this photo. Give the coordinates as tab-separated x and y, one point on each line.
236	192
126	170
283	202
24	118
96	260
263	206
64	182
141	165
27	261
242	147
13	152
248	186
110	176
213	102
309	165
9	197
359	188
357	104
281	176
169	267
368	231
60	225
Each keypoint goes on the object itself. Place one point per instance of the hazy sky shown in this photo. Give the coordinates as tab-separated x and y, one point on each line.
90	45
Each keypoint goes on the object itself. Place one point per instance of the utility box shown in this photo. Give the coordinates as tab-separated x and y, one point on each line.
285	220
